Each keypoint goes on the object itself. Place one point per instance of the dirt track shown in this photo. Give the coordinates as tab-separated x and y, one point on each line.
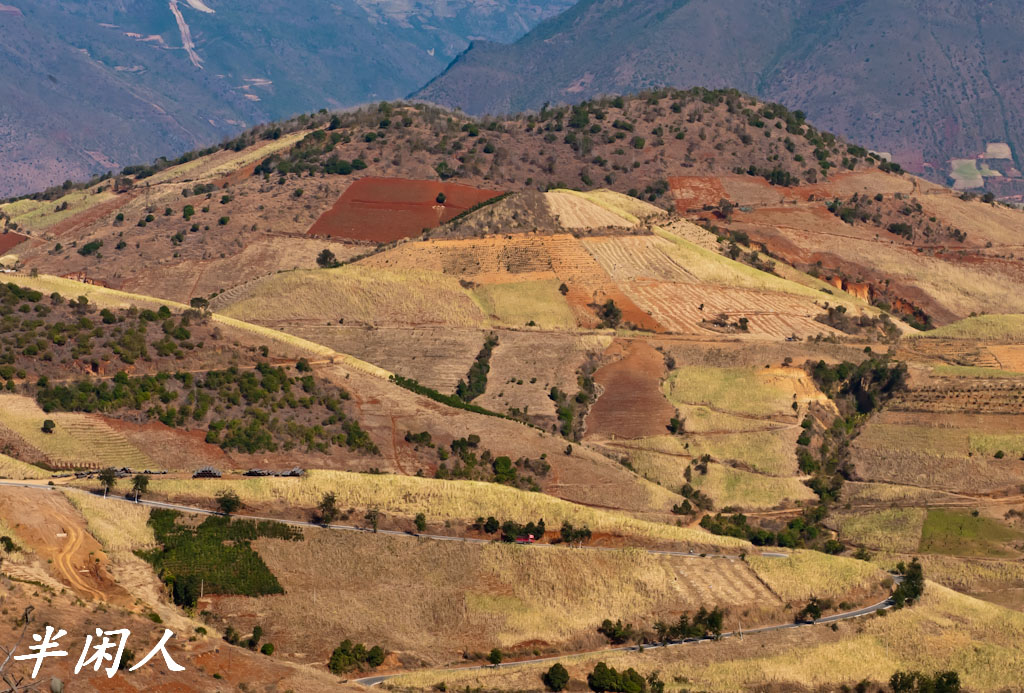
51	527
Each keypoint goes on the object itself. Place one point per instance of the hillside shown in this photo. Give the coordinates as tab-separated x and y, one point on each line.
845	64
666	360
149	80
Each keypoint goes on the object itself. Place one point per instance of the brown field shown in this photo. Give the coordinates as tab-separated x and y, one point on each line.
387	209
8	241
631	404
952	452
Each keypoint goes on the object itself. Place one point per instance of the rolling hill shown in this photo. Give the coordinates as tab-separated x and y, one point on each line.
684	339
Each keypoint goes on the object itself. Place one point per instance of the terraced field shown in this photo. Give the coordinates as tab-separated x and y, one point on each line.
954	452
629	258
78	441
769	315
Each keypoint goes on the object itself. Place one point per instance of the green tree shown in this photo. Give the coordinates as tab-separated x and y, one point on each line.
48	426
327	510
373	517
140	484
441	198
495	657
326	258
108	477
556	678
421	522
228	502
267	649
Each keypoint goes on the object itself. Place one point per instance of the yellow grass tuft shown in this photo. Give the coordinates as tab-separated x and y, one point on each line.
807	574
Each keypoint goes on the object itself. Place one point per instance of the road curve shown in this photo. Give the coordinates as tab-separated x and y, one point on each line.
845	616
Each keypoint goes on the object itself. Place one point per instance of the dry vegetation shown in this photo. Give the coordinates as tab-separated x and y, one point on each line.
895	529
807	574
464	598
119	527
441	500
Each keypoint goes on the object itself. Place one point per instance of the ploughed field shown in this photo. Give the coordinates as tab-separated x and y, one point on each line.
387	209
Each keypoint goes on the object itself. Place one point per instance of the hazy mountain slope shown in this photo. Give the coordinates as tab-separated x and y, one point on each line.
90	87
849	65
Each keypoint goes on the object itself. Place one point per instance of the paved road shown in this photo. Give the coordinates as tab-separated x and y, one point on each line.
880	606
41	485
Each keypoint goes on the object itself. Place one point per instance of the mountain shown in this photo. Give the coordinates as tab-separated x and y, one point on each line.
925	81
90	87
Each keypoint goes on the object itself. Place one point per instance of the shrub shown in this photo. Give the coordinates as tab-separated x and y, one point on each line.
267	649
556	678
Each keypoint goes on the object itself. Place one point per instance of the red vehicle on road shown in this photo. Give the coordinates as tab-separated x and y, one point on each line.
528	539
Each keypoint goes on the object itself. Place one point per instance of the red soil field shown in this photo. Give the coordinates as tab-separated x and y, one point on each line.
9	240
631	405
387	209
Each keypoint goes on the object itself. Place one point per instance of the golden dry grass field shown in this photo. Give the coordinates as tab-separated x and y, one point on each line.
945	631
358	295
462	598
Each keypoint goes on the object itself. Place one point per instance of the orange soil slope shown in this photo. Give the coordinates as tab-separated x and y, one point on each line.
387	209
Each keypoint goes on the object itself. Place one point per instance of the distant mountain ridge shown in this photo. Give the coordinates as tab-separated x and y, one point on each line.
846	63
90	87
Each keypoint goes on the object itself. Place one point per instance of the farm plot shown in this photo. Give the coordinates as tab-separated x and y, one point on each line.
631	404
958	533
536	303
997	327
664	460
941	451
626	207
437	357
629	258
893	529
690	308
77	441
360	295
9	240
387	209
757	392
577	212
526	365
481	260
